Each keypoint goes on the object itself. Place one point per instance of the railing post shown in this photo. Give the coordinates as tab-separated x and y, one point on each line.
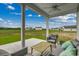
78	22
23	24
47	28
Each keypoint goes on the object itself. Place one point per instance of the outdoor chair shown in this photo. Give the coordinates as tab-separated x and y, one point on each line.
52	38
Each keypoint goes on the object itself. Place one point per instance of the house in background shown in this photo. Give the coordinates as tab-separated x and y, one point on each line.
69	28
38	28
54	29
29	28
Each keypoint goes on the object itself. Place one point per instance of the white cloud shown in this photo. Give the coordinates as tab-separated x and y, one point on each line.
30	15
74	21
5	22
1	19
11	7
15	13
39	15
71	15
63	17
26	9
8	21
64	20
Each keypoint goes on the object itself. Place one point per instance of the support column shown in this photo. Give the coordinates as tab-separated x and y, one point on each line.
23	25
78	22
47	28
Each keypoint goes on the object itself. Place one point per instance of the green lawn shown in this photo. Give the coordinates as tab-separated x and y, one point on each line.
8	36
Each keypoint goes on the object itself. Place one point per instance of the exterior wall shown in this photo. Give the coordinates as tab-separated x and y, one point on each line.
74	29
54	29
69	29
38	28
66	29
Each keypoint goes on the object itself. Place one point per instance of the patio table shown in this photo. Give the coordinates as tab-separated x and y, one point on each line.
41	47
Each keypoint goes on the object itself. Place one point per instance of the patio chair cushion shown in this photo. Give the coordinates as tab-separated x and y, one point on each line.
69	51
75	42
66	44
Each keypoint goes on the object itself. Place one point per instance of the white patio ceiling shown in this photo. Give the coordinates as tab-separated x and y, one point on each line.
53	9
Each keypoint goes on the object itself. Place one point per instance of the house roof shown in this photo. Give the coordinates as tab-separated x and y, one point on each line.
53	9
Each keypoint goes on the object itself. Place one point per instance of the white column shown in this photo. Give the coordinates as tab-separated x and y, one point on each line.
23	25
78	22
47	28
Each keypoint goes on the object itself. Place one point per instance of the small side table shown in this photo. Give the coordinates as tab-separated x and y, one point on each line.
41	47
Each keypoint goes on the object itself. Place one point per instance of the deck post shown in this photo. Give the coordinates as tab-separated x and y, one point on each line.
47	28
78	22
23	25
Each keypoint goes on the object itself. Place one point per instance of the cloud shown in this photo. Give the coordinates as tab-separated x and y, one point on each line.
2	22
10	7
30	15
1	19
39	15
64	20
9	25
5	22
62	17
15	13
55	25
71	15
66	16
74	21
27	9
8	21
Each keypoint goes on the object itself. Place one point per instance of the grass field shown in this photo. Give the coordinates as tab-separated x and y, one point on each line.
8	36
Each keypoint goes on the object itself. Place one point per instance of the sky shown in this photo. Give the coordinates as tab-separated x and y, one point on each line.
10	16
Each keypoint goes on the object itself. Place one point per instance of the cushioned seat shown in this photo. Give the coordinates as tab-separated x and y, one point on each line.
69	51
66	44
66	49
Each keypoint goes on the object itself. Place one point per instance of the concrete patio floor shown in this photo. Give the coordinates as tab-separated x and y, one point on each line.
16	46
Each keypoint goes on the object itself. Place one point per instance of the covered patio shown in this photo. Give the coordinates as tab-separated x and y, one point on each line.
53	10
48	10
